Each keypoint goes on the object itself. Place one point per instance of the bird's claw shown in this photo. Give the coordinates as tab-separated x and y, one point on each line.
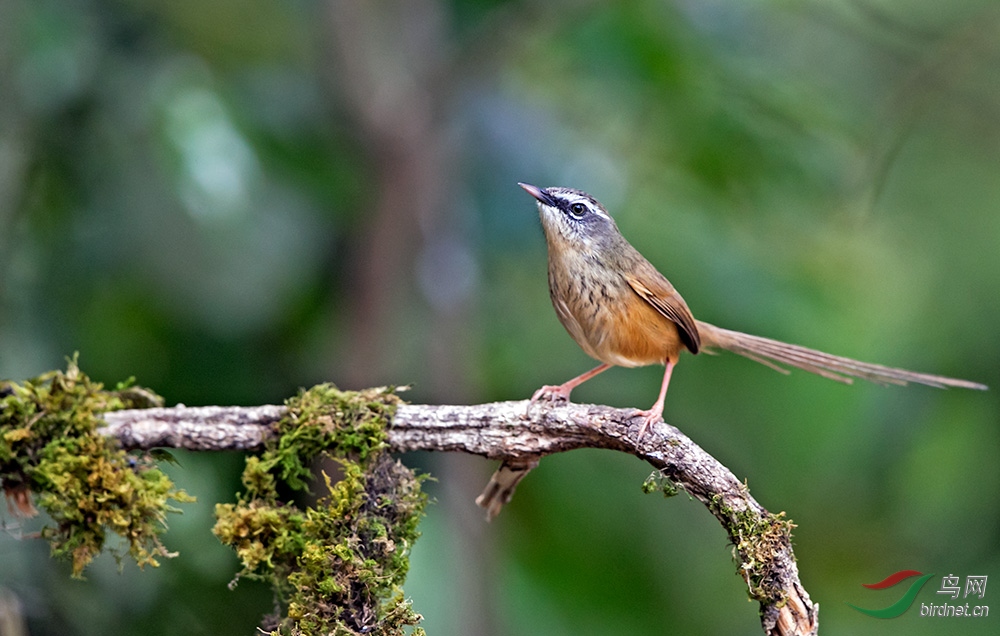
551	393
548	393
649	418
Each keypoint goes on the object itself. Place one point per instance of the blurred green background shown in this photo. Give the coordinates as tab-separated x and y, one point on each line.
230	200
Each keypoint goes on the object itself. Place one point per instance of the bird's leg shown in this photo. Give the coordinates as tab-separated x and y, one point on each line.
656	411
562	391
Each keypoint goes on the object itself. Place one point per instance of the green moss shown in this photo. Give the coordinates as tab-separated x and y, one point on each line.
336	567
50	446
757	542
326	419
657	481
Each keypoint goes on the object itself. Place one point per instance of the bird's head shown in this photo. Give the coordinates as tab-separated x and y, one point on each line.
573	219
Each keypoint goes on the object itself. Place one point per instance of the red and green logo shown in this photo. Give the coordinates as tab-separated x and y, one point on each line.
903	604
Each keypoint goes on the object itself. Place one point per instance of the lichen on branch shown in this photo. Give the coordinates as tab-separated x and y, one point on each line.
50	447
336	566
759	541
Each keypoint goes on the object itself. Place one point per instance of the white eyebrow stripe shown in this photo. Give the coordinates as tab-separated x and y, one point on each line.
569	196
594	207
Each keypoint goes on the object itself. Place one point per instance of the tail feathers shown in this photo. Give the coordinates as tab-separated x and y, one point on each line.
773	353
502	484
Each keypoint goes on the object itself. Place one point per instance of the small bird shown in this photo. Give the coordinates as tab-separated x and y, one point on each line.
623	312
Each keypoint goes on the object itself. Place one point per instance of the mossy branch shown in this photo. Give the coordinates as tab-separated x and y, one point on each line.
336	567
504	431
50	446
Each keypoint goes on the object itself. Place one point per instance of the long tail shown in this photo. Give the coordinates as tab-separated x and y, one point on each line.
773	353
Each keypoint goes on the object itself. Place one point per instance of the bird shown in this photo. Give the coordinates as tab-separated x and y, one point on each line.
623	312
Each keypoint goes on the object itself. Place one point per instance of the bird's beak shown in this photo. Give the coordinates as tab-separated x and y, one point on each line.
541	195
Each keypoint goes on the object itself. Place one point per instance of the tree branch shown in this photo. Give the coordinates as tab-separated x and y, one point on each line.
502	430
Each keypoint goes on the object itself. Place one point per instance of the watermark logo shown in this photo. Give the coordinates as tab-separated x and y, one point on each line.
951	585
904	603
975	587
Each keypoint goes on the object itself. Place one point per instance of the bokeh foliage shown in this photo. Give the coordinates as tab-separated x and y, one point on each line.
231	200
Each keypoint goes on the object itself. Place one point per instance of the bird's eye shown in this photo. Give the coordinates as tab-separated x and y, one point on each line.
578	210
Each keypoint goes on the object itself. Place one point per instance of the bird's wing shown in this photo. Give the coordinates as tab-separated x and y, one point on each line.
656	290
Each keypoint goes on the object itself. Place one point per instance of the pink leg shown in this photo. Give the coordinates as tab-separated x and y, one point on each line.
656	411
562	391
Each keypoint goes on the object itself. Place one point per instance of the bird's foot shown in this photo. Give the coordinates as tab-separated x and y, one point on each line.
549	393
552	393
649	418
